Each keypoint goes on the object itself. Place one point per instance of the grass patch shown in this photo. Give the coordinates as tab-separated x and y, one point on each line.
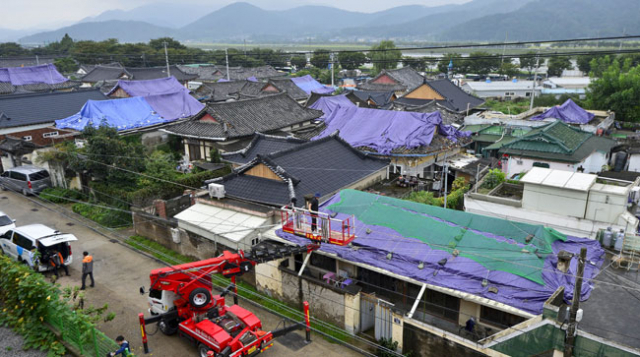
158	250
106	217
61	195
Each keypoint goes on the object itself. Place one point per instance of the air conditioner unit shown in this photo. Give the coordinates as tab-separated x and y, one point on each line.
175	235
216	190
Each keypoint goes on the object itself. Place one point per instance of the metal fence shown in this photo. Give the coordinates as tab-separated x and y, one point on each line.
82	336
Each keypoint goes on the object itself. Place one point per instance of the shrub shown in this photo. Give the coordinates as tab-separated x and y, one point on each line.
102	215
61	195
493	179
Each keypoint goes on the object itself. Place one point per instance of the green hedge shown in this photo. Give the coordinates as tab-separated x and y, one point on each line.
104	216
61	195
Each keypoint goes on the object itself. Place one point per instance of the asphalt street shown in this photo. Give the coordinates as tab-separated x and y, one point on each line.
120	271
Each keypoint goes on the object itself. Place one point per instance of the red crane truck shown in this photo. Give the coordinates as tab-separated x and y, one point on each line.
181	301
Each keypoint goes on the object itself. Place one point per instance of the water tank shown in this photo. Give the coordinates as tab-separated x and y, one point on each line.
619	240
606	238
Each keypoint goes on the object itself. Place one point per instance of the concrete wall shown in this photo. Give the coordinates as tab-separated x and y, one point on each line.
634	162
425	344
565	202
591	164
605	207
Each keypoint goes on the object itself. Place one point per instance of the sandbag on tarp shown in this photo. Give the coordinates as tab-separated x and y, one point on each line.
385	130
123	114
308	84
19	76
144	88
568	112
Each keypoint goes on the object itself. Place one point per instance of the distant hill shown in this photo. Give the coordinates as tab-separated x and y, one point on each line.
477	20
553	19
124	31
161	14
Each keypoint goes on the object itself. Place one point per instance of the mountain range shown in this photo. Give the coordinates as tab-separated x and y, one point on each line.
477	20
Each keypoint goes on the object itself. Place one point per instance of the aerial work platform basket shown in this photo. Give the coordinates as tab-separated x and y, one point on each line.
318	226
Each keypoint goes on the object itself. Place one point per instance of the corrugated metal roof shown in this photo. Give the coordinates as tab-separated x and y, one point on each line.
227	223
559	178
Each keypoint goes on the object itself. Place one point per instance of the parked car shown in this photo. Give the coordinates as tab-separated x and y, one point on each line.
29	180
22	243
6	223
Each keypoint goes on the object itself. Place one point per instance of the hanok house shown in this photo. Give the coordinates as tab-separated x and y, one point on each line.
444	92
31	117
372	99
228	126
105	77
414	142
43	78
143	88
213	73
397	80
417	274
262	145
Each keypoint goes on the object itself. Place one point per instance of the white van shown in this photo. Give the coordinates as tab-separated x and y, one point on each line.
22	243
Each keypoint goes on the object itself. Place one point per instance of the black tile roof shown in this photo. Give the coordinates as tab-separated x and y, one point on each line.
406	78
261	145
381	99
106	73
219	92
245	117
204	73
287	85
143	73
8	88
324	166
39	108
448	116
17	146
242	73
29	61
455	98
252	90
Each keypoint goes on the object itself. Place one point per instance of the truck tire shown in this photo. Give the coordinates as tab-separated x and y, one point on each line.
199	297
203	349
168	327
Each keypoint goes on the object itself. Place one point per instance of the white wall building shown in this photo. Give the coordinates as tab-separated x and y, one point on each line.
506	90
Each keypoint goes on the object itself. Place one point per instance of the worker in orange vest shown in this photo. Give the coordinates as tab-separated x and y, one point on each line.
56	260
87	269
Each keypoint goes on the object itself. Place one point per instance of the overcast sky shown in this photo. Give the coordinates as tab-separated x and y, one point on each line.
57	13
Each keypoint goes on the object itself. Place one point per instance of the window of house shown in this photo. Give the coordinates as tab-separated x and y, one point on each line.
323	262
527	94
380	284
499	318
27	138
50	134
255	241
441	305
194	151
541	164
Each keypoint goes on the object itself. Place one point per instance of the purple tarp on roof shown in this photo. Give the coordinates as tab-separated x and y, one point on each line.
149	87
18	76
175	105
461	274
568	112
223	80
385	130
252	79
309	85
329	103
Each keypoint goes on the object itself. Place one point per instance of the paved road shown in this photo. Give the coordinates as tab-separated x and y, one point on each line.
119	272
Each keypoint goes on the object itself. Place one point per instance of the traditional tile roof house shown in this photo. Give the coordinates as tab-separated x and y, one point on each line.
324	166
372	99
220	91
261	144
447	94
142	88
448	116
22	112
204	73
42	78
102	73
557	146
397	80
286	85
26	61
228	122
244	73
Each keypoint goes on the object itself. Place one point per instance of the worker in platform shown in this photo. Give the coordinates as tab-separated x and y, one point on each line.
87	269
124	350
312	206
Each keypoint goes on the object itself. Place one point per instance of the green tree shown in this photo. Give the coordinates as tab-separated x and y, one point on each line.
458	62
299	61
66	65
509	69
483	62
320	58
385	56
584	62
417	63
12	49
557	64
158	44
352	60
528	62
617	89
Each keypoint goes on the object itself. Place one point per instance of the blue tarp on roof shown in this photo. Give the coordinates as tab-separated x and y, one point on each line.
386	130
123	114
175	105
144	88
309	85
19	76
568	112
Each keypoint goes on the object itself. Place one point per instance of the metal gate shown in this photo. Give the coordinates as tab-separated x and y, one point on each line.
375	313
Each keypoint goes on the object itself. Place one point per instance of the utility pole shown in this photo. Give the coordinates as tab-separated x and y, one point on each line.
575	304
446	176
332	58
226	58
475	189
37	61
535	77
166	58
504	48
